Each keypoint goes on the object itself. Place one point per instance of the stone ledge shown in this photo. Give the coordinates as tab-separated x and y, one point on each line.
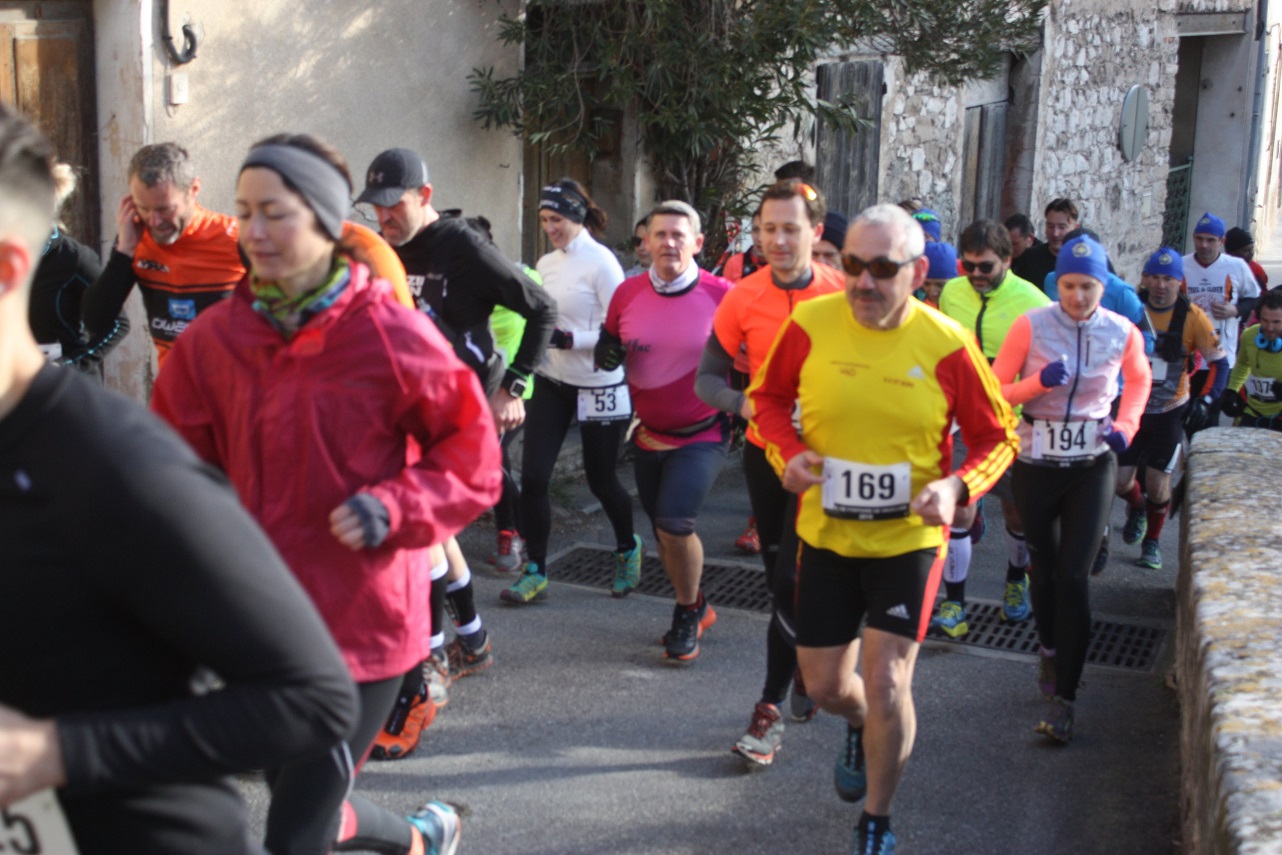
1229	643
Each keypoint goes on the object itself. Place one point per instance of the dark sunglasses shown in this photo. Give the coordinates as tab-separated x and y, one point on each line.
984	267
879	268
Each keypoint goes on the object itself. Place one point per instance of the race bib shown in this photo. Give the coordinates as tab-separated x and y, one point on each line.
1260	388
51	352
1067	442
1159	366
861	491
606	404
36	826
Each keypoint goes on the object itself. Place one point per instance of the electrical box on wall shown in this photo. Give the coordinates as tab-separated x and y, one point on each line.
177	89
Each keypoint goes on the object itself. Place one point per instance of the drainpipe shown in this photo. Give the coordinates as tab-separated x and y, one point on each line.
1257	116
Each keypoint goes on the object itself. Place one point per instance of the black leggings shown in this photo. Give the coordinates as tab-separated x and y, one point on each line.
506	516
308	795
547	420
775	510
1064	512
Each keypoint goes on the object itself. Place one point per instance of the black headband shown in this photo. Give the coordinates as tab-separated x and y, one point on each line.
564	201
320	184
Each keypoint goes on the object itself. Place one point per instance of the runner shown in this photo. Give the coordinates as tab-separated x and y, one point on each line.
66	269
656	328
183	256
986	300
748	319
127	562
582	276
1068	355
357	439
943	267
1182	330
1258	370
872	525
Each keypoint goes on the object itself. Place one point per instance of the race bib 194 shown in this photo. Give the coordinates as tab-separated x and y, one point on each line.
1066	442
862	491
36	826
606	404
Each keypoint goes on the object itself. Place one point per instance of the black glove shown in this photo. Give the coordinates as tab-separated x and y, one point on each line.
1198	416
561	340
609	351
1232	403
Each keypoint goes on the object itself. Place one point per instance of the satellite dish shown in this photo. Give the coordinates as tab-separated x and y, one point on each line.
1134	128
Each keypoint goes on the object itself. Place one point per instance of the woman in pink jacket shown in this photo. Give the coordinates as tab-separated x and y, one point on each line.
357	439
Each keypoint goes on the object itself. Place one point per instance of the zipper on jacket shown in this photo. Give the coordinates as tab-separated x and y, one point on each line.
979	321
1077	373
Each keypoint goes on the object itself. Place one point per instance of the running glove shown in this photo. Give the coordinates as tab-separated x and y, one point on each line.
1232	403
609	351
561	340
1199	414
1116	440
1054	374
374	517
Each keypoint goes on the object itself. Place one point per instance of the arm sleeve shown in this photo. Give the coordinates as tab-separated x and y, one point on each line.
177	398
774	393
1052	287
712	382
1010	362
1241	368
507	286
199	577
104	300
986	421
608	278
1138	377
458	475
1218	377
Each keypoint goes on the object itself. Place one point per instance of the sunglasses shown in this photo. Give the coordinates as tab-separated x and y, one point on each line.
984	267
878	268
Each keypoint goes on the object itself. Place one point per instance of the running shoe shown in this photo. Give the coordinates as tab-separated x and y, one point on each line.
1057	723
409	718
436	671
1150	555
765	731
749	541
681	644
951	619
627	569
849	776
531	587
1015	605
1136	525
507	557
803	706
707	617
1101	557
1046	675
869	842
979	527
464	661
440	826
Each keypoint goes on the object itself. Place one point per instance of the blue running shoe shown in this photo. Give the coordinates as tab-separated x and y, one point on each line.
1136	525
1015	605
951	619
439	824
869	842
849	776
627	569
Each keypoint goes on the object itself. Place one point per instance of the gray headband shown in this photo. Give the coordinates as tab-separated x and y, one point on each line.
316	180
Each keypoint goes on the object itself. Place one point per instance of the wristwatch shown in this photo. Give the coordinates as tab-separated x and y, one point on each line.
518	386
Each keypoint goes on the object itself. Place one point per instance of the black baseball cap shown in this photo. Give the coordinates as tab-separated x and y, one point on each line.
390	175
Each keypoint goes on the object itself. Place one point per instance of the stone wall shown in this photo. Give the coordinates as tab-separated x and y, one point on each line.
1095	51
1229	637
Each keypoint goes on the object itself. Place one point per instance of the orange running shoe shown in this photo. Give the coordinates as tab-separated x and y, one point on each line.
405	726
749	541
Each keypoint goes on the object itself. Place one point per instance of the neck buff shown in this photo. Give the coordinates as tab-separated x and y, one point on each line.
563	201
322	186
682	282
288	314
801	282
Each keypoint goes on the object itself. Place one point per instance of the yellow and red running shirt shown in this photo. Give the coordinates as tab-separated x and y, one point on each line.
881	398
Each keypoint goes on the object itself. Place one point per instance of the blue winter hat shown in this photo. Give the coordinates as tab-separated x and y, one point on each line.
1209	225
835	226
943	260
929	222
1165	262
1082	255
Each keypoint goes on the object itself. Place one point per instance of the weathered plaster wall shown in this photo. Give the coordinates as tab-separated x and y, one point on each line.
1095	52
1229	646
365	77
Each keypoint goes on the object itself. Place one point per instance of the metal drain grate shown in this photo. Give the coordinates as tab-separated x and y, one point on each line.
1125	646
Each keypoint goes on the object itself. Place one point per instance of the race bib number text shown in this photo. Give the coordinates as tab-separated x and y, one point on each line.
1260	388
861	491
606	404
35	826
1066	441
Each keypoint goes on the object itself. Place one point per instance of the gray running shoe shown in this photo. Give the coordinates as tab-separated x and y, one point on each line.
803	707
765	731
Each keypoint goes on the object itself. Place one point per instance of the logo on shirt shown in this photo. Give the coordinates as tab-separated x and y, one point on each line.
900	611
148	264
182	310
916	373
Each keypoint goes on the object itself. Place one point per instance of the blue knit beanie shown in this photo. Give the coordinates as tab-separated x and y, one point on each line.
929	222
1209	225
1082	255
943	260
1165	262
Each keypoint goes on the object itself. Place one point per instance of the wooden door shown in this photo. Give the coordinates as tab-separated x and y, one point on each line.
846	165
47	72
